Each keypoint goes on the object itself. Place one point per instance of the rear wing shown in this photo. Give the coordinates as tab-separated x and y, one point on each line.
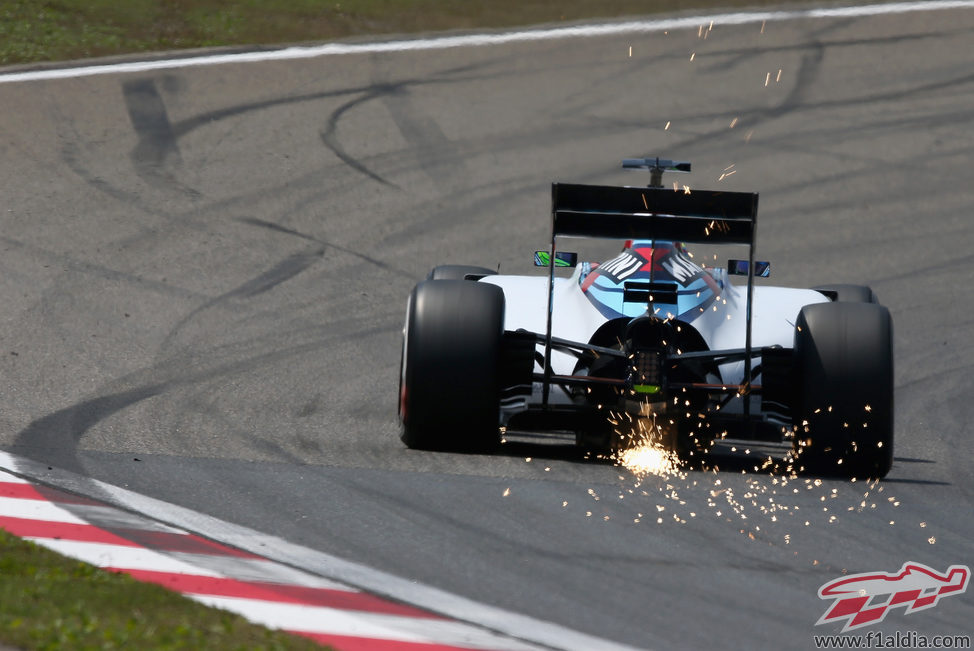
631	213
653	213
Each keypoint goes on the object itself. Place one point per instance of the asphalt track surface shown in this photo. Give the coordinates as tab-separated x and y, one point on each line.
204	271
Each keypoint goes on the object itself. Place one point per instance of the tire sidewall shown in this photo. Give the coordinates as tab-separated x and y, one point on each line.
450	365
844	389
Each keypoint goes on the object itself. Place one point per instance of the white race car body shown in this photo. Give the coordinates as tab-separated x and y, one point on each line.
708	302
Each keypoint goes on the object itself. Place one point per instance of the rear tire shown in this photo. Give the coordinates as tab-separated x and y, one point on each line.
459	272
844	402
449	395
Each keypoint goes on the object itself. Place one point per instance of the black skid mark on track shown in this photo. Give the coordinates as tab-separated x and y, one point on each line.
158	136
283	271
157	150
75	266
742	55
330	137
438	157
467	73
54	438
147	111
73	155
795	103
263	223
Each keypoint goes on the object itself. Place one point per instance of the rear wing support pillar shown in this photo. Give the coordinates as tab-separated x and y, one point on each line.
747	331
546	385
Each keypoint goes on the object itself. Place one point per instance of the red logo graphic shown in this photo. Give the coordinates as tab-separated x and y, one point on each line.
864	599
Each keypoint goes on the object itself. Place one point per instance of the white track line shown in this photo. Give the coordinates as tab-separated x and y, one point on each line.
497	38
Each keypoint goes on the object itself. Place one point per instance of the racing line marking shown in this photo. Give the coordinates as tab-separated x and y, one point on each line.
475	40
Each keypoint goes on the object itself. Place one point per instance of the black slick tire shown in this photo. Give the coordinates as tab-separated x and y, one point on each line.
844	390
449	395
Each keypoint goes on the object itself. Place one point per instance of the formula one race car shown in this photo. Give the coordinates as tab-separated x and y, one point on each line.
650	336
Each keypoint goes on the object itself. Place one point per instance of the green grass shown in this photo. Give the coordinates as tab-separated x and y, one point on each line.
48	601
55	30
